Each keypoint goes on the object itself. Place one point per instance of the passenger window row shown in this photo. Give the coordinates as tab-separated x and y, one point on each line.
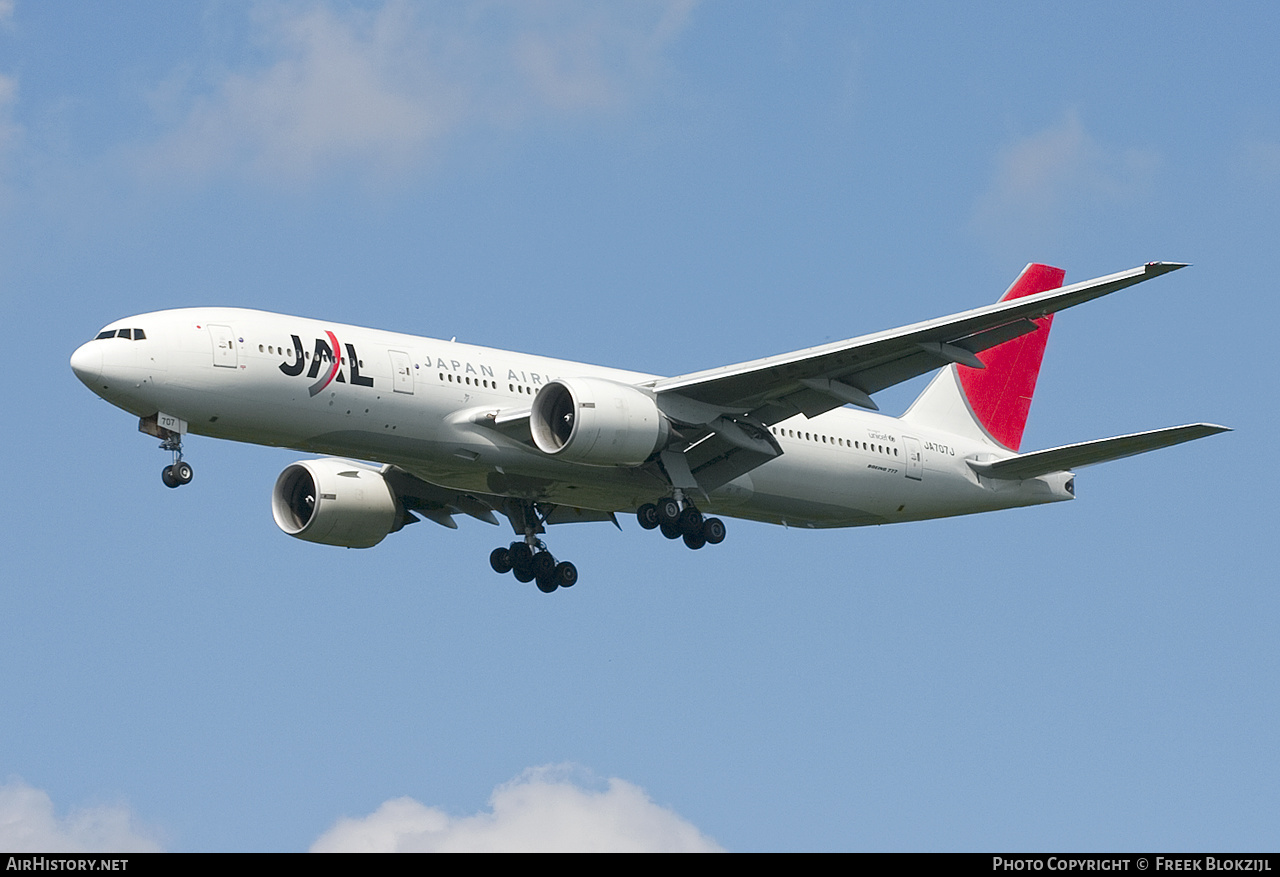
834	440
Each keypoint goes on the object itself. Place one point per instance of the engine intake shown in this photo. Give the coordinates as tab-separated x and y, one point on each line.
597	422
335	502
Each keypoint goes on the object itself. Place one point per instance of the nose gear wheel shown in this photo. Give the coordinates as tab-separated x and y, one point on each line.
179	472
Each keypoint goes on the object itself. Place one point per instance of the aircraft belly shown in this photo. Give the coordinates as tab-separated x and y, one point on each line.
815	488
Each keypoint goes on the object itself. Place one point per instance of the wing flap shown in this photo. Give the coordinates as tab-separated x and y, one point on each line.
435	503
715	461
1092	452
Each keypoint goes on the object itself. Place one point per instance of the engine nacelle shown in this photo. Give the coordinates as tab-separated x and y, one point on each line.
335	502
597	422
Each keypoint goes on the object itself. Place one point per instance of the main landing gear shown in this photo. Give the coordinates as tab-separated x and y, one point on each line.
180	471
530	561
679	519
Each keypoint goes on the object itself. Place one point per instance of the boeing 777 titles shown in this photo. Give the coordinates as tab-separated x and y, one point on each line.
793	439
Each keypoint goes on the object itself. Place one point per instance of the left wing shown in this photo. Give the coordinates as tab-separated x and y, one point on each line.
440	504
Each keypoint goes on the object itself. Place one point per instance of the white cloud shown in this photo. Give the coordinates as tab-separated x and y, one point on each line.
540	811
378	90
28	824
9	130
1059	172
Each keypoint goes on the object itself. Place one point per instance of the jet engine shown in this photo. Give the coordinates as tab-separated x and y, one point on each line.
336	502
597	422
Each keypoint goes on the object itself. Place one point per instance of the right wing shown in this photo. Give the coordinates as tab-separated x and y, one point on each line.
725	412
821	378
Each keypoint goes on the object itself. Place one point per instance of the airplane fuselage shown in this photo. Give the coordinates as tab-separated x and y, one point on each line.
426	406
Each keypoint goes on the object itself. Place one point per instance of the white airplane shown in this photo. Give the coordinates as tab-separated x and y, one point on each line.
463	429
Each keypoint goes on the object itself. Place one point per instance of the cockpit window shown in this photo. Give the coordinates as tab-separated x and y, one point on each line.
132	334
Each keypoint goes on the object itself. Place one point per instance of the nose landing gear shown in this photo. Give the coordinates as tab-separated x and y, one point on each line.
169	430
180	471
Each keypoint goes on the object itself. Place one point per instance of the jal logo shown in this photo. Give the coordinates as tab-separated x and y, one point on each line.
327	358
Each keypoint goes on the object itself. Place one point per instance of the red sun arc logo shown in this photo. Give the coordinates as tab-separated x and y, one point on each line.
327	355
333	370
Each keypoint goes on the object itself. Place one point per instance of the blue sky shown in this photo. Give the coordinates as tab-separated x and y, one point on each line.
664	187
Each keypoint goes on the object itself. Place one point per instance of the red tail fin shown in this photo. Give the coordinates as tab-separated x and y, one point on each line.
991	404
1000	395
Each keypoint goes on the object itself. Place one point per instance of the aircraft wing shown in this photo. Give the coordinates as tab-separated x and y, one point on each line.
435	503
1096	451
818	379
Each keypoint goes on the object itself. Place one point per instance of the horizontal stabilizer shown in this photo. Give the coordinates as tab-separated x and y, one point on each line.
1096	451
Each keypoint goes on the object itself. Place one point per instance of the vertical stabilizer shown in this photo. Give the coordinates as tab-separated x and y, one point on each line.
991	404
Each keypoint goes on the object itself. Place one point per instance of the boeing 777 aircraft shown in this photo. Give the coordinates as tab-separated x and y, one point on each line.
793	439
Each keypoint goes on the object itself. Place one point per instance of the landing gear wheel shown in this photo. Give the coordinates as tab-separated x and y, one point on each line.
668	511
522	574
521	555
166	475
713	531
548	583
690	522
566	574
544	565
500	560
182	472
694	540
671	531
647	515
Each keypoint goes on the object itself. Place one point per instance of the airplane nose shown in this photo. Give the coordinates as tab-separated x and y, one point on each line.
86	362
